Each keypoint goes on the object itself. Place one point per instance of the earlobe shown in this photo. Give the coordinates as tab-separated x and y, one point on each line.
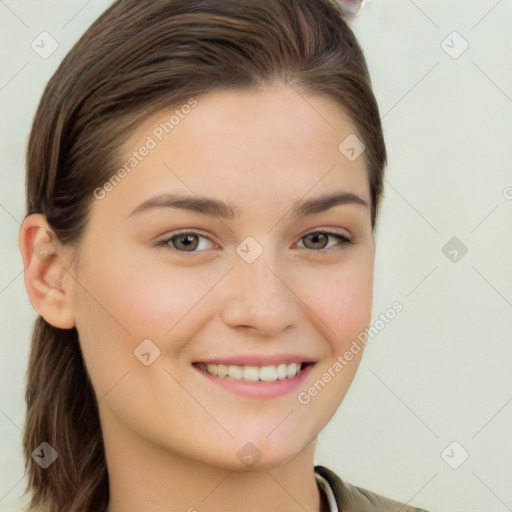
46	276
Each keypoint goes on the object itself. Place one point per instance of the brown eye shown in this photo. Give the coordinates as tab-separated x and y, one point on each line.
319	240
186	242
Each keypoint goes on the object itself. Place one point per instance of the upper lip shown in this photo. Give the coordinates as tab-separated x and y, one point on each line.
258	360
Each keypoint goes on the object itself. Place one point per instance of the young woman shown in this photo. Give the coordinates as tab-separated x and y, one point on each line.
203	184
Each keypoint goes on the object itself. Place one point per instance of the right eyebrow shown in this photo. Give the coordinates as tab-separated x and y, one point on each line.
203	205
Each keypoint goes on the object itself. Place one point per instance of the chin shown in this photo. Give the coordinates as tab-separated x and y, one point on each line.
257	455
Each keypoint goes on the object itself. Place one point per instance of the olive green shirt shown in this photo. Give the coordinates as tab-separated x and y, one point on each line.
339	496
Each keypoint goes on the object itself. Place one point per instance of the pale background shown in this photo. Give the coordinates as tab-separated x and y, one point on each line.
440	371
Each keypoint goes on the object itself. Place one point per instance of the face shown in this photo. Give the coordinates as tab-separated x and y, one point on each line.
171	293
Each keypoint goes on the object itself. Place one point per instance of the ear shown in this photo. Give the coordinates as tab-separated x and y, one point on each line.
46	275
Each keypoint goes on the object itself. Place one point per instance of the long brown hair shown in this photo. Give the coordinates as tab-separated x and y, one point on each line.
137	58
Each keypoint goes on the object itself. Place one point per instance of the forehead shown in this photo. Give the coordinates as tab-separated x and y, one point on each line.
281	115
269	145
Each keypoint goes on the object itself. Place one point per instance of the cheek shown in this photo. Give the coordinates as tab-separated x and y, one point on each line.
127	302
166	300
342	299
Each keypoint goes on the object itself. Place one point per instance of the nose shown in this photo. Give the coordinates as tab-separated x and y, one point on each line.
259	298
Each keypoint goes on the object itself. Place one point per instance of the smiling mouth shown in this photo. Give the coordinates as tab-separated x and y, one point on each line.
268	373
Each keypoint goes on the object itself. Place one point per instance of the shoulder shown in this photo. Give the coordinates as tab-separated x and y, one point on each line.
351	498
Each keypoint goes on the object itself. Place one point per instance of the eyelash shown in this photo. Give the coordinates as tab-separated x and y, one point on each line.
342	241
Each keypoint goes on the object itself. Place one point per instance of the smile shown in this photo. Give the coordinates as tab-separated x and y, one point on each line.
269	373
259	379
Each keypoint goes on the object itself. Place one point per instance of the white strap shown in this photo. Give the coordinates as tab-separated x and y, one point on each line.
333	506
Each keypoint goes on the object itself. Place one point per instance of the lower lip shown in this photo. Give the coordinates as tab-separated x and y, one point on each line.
259	389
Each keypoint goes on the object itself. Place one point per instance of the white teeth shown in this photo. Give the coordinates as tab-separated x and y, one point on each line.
222	370
291	370
251	373
270	373
236	372
281	372
212	368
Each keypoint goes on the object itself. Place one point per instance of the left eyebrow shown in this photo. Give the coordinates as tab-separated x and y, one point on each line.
219	209
326	202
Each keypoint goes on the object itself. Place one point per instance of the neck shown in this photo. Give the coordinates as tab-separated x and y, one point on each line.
145	476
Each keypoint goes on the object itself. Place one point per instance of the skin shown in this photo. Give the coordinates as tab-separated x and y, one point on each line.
171	436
